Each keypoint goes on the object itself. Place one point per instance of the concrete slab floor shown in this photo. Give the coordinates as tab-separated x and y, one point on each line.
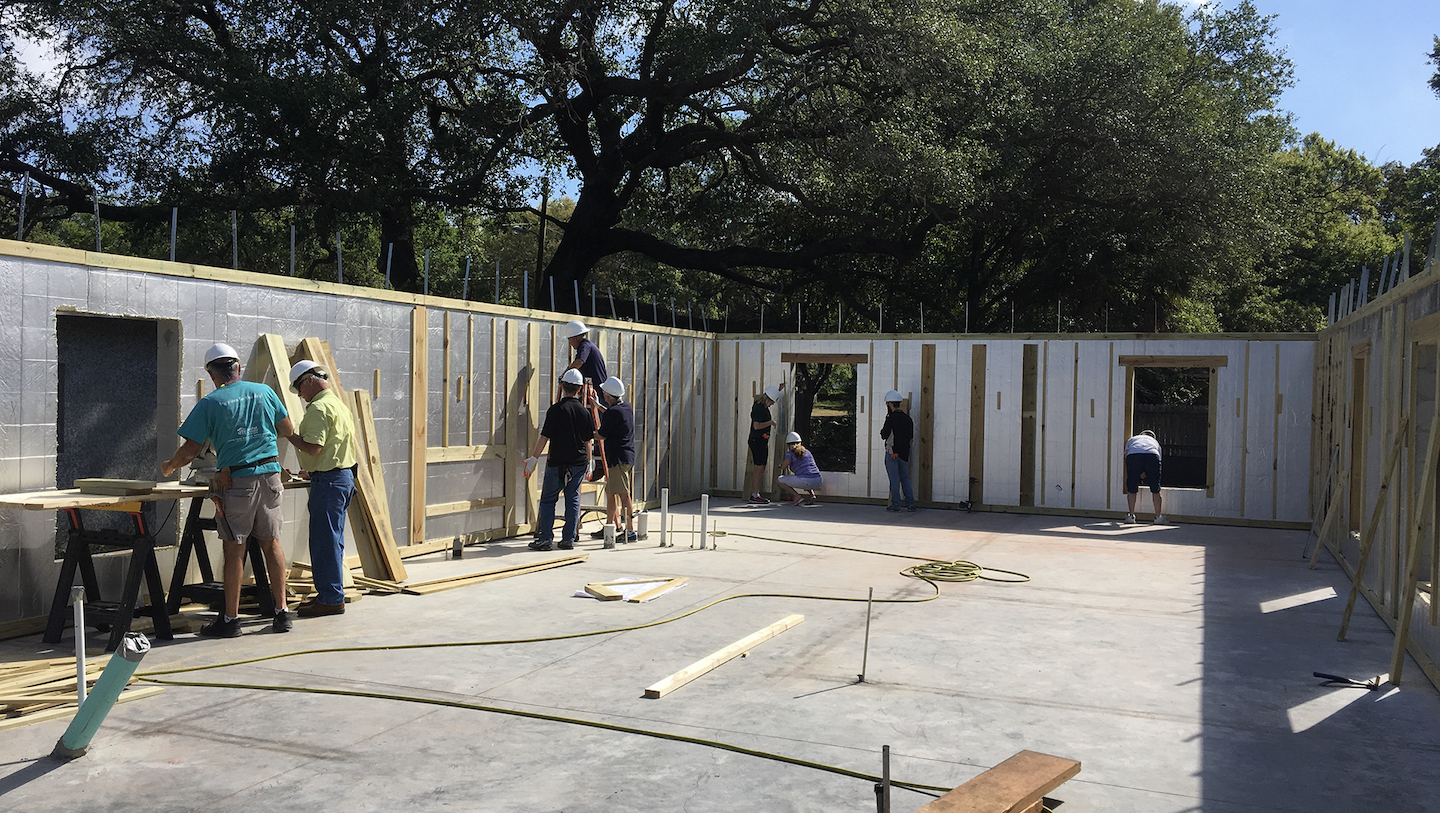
1168	660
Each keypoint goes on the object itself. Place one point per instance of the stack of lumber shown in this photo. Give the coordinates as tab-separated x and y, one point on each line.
34	691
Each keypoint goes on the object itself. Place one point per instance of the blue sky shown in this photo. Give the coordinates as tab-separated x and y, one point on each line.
1361	73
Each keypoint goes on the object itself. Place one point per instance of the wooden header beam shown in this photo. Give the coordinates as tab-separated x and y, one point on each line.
824	358
1174	361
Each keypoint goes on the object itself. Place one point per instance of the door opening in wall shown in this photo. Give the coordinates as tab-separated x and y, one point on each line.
1174	403
825	407
117	409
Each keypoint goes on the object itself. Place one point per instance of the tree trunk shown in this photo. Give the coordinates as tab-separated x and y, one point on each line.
585	241
397	229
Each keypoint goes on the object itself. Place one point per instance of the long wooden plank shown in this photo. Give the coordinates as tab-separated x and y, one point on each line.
419	417
603	592
461	506
700	667
567	559
514	475
445	380
370	452
460	454
670	584
823	358
271	348
1367	541
367	499
924	484
1018	784
976	472
437	586
1174	361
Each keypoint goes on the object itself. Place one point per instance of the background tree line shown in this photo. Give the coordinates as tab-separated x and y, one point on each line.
1088	162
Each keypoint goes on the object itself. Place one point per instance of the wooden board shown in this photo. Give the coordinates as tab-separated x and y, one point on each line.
67	711
438	585
113	487
1017	784
925	426
61	498
602	592
568	559
1173	361
419	416
824	358
976	490
663	687
670	584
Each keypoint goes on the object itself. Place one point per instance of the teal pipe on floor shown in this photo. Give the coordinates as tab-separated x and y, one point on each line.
92	712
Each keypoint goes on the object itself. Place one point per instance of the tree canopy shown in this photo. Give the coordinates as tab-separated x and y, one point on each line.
1106	155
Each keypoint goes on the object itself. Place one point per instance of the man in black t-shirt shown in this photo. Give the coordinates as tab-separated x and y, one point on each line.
617	429
568	430
761	422
897	433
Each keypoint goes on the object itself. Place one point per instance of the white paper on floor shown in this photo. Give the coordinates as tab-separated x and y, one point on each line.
629	589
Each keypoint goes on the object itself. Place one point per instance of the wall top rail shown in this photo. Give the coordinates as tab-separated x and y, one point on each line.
120	262
995	337
824	358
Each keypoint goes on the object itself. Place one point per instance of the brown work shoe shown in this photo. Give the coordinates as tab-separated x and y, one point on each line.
311	609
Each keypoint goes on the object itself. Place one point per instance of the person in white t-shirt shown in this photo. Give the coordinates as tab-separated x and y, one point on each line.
1142	465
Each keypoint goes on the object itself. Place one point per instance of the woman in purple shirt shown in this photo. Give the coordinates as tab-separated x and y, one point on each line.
804	474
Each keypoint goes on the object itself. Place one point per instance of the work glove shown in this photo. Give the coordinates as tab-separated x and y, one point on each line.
530	464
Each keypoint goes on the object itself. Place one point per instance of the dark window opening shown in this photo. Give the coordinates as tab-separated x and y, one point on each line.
1174	403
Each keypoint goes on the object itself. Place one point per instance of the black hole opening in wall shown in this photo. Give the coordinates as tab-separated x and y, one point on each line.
108	415
1174	403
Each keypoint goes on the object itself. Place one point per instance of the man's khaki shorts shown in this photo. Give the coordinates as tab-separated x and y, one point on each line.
252	507
619	480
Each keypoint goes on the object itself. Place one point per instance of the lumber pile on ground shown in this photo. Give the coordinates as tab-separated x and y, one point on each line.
34	691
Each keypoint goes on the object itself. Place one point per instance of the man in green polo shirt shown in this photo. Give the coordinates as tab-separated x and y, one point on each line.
325	445
241	419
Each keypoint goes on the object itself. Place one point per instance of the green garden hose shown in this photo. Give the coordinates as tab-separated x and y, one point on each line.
931	571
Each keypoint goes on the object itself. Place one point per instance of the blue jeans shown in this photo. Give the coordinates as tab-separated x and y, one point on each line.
899	472
330	494
556	478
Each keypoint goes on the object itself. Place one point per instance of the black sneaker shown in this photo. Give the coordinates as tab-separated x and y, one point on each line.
563	545
912	509
894	508
632	537
283	622
756	499
600	534
538	545
220	628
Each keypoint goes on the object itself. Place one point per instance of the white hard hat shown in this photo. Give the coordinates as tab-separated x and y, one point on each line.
893	397
303	367
220	350
614	386
573	329
572	376
793	437
772	393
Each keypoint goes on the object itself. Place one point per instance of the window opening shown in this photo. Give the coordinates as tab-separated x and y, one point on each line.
1174	403
825	406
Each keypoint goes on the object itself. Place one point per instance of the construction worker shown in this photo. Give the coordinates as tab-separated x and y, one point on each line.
617	431
1142	465
591	364
801	471
241	420
588	359
326	448
569	425
761	422
897	433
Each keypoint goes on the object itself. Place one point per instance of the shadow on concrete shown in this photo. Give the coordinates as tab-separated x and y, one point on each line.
29	774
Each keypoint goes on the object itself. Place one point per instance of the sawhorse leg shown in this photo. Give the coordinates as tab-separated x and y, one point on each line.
77	554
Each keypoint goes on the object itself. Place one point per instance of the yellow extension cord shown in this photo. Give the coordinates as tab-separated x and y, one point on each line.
931	571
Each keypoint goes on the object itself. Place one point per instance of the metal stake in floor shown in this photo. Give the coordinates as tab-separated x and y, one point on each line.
865	658
882	788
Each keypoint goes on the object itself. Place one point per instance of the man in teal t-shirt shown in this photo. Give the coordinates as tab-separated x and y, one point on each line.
242	420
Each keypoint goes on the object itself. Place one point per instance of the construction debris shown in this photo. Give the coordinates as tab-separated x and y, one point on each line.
34	691
635	590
